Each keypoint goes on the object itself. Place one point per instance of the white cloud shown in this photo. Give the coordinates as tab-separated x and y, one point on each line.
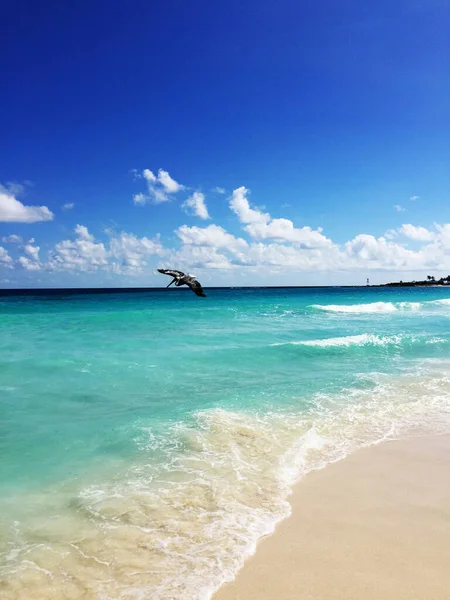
286	258
366	251
140	199
159	188
240	205
268	245
283	230
83	233
68	206
391	234
213	247
32	251
414	198
279	246
125	253
12	239
418	234
130	253
5	259
262	226
399	208
29	265
212	236
219	190
198	257
82	254
169	184
32	261
13	211
196	205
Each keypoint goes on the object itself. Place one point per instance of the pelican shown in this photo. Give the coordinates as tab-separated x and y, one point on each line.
180	278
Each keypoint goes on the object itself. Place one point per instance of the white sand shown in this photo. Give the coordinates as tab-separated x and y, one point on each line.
375	526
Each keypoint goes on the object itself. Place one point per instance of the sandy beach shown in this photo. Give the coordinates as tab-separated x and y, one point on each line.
375	526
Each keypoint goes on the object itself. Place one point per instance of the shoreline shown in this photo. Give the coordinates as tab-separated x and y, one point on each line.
373	525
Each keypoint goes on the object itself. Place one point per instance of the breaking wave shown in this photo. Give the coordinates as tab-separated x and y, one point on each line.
182	528
365	339
381	307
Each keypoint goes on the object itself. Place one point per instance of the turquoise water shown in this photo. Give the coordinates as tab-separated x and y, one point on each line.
147	440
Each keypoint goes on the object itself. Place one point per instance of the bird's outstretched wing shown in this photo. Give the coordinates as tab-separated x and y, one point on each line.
171	272
195	286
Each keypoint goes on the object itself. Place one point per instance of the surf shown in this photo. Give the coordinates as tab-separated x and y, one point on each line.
382	307
365	339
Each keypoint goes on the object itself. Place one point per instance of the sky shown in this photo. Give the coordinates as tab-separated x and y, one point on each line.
247	143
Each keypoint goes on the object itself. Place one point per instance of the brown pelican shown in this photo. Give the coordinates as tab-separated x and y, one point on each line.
180	278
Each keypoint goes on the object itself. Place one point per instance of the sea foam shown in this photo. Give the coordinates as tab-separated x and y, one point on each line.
364	339
381	307
184	529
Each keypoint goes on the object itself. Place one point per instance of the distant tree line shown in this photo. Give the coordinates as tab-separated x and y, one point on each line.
430	280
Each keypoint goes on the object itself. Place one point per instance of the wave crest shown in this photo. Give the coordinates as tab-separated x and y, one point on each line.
381	307
365	339
187	528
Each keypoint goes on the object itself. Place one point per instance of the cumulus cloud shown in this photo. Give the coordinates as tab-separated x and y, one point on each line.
12	239
278	245
196	205
13	211
240	205
5	259
366	251
81	254
265	245
159	187
83	233
417	233
282	257
199	257
130	253
29	265
212	236
68	206
262	226
283	230
32	251
399	208
169	184
219	190
124	254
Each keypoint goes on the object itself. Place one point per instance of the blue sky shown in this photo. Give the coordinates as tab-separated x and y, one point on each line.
325	125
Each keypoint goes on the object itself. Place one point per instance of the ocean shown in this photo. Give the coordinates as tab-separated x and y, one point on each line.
148	440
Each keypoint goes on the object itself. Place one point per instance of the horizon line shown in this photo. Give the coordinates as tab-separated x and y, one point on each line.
106	290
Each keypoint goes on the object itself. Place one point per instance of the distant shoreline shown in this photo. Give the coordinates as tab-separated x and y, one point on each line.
430	282
412	285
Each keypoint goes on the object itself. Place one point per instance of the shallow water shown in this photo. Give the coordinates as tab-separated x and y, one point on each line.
148	440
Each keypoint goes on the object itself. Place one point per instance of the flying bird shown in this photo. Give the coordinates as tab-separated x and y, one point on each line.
180	278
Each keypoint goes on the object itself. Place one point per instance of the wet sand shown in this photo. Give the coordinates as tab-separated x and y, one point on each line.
375	526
